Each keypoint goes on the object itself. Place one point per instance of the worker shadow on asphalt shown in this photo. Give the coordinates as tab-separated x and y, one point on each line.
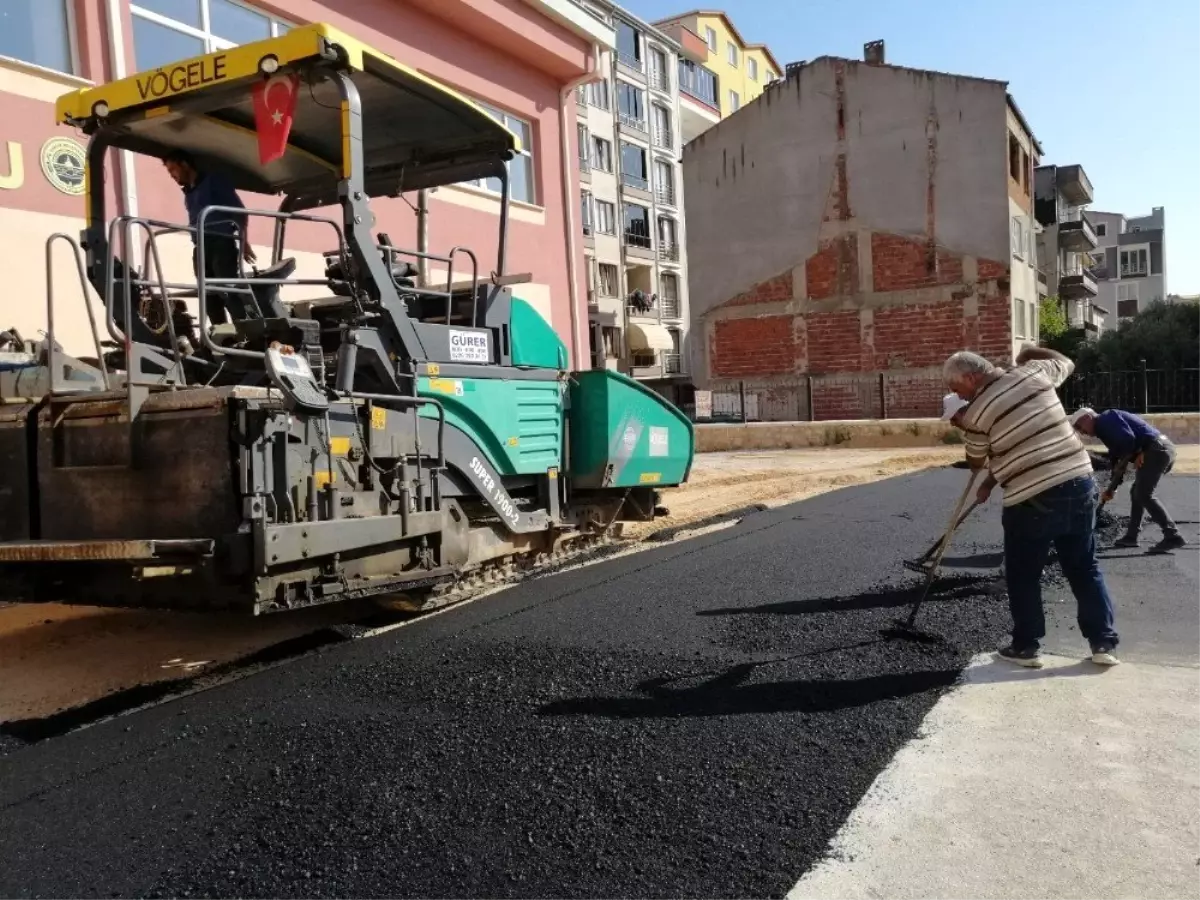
944	591
728	694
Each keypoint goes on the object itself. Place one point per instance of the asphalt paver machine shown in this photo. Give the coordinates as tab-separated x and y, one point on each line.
377	434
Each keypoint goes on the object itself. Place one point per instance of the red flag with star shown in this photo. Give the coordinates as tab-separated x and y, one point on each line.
274	107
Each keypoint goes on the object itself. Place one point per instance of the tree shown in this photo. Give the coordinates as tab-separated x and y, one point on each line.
1165	335
1052	320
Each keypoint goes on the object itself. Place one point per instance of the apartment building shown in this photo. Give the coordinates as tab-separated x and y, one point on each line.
519	60
632	206
854	226
1129	263
719	71
1066	242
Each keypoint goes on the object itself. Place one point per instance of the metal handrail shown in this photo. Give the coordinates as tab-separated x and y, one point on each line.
202	281
83	283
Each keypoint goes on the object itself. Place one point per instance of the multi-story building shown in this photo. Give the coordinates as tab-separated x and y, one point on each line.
856	225
719	71
632	206
1066	243
520	60
1129	264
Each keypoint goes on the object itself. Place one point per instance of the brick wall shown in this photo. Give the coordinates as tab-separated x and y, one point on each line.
753	348
920	310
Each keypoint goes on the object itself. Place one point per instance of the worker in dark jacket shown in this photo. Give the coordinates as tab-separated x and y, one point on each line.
225	237
1131	439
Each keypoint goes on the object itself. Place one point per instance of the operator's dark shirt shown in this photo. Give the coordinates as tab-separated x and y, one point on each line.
213	190
1123	433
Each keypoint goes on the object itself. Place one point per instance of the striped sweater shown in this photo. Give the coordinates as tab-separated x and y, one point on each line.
1018	425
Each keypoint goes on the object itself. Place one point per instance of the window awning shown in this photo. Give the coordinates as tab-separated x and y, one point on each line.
649	338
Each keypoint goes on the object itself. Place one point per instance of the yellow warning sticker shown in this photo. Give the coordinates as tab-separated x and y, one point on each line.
512	442
323	478
434	370
339	446
651	477
446	386
378	418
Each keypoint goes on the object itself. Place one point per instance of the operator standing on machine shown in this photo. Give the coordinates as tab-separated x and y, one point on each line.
225	234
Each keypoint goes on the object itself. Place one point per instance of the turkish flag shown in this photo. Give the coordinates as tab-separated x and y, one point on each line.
274	107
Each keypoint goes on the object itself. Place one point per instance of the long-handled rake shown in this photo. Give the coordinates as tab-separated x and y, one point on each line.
904	627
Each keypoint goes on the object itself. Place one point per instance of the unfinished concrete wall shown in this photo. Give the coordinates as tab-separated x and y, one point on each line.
853	219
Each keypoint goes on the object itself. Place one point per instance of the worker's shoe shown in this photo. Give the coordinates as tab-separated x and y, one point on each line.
1102	655
1030	657
1171	541
1126	541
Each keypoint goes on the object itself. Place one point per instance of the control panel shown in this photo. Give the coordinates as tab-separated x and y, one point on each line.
294	377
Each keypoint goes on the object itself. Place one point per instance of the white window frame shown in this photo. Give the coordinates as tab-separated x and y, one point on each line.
609	210
596	160
735	101
1131	253
1018	314
501	116
72	47
601	289
1017	233
752	68
1130	291
212	43
587	208
710	38
731	53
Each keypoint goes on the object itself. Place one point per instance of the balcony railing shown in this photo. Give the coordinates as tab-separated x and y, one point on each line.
1076	233
630	121
668	251
631	62
646	311
670	307
672	363
635	181
665	195
659	81
663	138
637	239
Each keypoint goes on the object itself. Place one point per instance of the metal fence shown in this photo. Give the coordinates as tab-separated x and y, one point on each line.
811	398
1141	390
919	396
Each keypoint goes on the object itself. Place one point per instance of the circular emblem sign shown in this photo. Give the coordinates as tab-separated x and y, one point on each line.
62	162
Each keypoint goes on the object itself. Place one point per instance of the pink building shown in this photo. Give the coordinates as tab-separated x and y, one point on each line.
521	59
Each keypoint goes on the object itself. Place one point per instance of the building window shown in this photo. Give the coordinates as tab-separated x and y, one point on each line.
1019	239
662	127
658	70
752	68
668	240
601	154
1014	158
672	362
633	167
637	226
710	38
735	102
607	279
585	203
520	167
668	295
631	104
731	53
38	32
1134	262
604	217
585	161
1127	300
1018	307
697	81
629	46
1026	180
165	31
664	182
1101	229
597	94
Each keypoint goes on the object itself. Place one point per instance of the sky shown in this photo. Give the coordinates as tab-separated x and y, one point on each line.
1114	86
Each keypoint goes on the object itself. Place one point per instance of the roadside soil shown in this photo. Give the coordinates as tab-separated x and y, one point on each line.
55	657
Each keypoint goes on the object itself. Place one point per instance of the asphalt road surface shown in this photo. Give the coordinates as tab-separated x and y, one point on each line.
695	720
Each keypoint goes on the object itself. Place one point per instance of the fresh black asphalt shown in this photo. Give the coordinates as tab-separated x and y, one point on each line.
694	720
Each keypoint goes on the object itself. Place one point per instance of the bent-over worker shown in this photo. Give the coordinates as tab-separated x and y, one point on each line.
1016	425
225	235
1131	439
